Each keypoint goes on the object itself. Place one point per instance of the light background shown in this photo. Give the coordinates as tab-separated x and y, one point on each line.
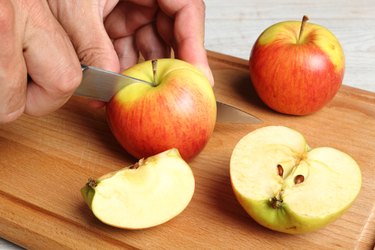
233	26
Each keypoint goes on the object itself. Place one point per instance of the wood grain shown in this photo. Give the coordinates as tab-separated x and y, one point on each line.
45	161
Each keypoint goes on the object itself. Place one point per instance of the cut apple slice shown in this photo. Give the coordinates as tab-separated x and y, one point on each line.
143	195
286	186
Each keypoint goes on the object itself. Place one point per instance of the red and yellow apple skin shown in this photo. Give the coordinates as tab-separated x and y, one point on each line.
178	112
295	75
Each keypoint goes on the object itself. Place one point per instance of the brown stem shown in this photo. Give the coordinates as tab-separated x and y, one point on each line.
277	201
154	69
92	183
304	20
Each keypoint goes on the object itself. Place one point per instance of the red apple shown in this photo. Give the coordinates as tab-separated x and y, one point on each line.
296	67
179	111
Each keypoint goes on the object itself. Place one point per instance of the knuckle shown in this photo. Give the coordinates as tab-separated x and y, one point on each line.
69	79
102	56
11	115
91	55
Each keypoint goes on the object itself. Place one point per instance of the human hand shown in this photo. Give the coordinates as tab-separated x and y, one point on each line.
110	34
107	34
155	27
34	44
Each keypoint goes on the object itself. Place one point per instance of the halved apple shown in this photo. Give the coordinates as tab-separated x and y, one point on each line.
286	186
143	195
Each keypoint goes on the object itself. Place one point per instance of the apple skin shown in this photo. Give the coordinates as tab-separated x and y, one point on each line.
296	76
178	112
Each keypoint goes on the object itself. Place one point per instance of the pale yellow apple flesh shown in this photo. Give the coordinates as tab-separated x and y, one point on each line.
286	186
143	195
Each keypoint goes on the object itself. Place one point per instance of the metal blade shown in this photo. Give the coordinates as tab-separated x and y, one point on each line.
101	84
230	114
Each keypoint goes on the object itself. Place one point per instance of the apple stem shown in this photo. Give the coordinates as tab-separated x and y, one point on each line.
137	164
304	20
154	69
92	183
276	202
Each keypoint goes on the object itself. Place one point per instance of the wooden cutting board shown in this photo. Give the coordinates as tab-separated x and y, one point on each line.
45	161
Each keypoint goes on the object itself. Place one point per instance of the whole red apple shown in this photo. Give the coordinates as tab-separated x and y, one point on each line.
179	111
296	67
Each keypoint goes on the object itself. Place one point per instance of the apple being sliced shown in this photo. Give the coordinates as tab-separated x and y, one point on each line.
146	194
179	111
286	186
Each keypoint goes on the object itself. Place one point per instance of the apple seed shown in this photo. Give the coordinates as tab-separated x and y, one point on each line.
299	179
280	170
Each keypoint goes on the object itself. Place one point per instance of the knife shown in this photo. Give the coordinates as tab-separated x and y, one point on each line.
102	84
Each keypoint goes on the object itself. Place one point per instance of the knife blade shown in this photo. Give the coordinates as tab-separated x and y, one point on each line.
101	84
229	114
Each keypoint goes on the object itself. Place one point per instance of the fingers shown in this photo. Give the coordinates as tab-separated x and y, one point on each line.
155	30
33	43
126	52
51	62
127	17
130	27
83	22
148	35
12	66
188	18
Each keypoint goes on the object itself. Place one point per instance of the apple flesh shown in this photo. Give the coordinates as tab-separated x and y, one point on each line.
179	111
286	186
143	195
296	68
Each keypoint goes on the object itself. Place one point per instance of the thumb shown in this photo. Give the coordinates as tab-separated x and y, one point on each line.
83	22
